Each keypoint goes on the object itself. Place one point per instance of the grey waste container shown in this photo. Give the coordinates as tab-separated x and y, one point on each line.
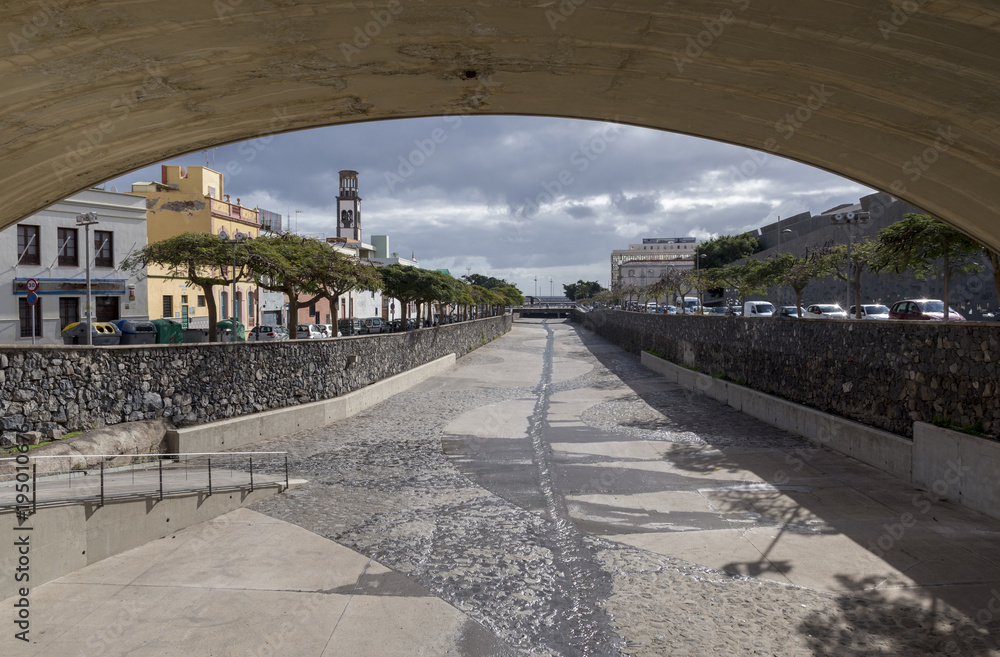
104	334
136	331
195	335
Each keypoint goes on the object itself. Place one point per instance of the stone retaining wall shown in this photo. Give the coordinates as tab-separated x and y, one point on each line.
77	387
884	374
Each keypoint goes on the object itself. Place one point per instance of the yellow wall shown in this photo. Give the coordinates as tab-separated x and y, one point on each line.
189	210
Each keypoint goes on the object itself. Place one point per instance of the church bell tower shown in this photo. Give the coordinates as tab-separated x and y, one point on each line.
349	207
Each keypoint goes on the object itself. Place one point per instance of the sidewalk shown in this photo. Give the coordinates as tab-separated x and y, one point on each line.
241	584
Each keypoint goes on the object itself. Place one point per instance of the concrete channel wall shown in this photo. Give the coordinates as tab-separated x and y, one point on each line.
66	537
883	374
68	388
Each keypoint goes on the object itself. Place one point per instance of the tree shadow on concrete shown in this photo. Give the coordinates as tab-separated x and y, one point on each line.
868	623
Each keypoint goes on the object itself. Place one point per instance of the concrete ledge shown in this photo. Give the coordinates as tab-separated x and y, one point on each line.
65	538
884	450
958	467
244	430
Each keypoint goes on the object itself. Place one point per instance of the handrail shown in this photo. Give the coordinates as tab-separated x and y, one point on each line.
148	475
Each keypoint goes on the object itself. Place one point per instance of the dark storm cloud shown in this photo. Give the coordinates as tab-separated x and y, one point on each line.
517	195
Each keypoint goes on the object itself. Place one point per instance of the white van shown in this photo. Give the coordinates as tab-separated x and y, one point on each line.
758	309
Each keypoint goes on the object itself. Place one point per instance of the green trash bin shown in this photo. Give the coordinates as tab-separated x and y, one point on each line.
225	330
168	331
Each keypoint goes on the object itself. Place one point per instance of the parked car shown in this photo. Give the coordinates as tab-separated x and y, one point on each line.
871	311
670	310
717	311
350	326
309	332
373	325
792	311
825	311
922	309
328	330
267	332
758	309
735	311
401	325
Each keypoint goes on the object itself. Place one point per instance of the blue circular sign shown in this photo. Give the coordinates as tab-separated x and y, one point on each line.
32	298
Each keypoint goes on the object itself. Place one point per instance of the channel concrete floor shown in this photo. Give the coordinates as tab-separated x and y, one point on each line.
548	496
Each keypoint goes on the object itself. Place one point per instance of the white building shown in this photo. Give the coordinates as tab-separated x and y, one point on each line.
392	308
643	264
49	248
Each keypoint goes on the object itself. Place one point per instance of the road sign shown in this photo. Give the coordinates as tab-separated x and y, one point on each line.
31	284
32	298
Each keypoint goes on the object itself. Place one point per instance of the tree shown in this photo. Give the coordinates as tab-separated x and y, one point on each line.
797	273
489	282
401	282
202	259
750	277
927	245
582	289
335	274
725	249
864	255
677	281
289	264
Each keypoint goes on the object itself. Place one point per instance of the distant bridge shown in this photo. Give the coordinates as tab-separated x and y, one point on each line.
558	309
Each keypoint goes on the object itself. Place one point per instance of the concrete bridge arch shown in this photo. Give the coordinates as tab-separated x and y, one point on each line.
901	96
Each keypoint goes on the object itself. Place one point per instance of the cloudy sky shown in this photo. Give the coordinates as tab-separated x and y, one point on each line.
517	197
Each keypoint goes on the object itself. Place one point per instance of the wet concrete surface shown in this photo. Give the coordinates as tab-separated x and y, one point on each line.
571	502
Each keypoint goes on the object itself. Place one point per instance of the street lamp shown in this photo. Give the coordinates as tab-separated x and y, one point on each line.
780	235
697	271
238	238
849	219
87	219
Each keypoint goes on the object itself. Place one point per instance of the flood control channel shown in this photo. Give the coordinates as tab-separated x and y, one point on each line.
573	503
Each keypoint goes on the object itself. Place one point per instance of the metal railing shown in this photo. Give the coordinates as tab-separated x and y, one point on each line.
27	480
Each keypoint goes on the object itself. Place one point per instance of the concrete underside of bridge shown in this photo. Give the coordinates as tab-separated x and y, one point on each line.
902	96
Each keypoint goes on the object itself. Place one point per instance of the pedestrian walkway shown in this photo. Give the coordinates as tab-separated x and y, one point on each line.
242	584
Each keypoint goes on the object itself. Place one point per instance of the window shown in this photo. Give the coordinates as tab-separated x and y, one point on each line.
168	306
27	246
106	309
212	193
103	249
67	248
237	305
224	303
201	300
631	272
184	299
69	311
24	313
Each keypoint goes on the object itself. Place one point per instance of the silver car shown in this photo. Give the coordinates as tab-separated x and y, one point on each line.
871	311
309	332
825	311
267	332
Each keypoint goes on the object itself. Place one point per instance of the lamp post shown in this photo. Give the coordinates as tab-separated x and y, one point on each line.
849	219
697	270
87	219
238	238
780	235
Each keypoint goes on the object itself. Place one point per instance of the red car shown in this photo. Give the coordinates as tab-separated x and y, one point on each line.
925	309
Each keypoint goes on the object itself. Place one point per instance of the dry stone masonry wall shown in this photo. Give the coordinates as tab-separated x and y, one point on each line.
884	374
53	389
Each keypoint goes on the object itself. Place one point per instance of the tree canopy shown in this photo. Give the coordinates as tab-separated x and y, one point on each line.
582	290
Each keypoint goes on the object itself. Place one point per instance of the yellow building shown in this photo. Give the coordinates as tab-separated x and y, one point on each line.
192	200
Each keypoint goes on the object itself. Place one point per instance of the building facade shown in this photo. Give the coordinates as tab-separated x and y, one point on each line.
193	200
970	294
643	264
48	248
